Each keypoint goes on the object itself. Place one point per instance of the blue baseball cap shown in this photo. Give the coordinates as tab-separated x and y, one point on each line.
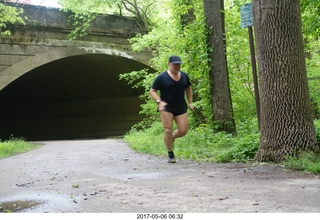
175	60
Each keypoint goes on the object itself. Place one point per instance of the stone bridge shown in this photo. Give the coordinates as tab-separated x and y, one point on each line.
53	88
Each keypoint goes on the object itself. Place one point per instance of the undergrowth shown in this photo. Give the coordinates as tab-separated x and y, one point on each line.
306	161
15	146
202	144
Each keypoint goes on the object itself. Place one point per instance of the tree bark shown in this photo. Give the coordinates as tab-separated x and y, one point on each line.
287	125
220	90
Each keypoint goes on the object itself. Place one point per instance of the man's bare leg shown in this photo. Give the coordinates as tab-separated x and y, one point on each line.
182	126
167	120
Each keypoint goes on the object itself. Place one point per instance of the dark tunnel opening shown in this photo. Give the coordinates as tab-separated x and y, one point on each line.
77	97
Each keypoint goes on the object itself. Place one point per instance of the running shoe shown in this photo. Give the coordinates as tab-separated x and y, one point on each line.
171	160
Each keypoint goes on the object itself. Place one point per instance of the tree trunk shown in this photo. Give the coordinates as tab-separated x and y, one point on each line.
220	90
287	125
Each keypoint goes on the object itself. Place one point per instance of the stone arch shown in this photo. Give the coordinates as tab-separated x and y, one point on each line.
18	69
53	94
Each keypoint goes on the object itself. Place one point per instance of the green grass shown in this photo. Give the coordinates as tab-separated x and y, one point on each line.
306	162
200	144
203	145
15	146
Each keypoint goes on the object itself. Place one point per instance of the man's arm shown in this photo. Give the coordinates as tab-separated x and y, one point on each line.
154	94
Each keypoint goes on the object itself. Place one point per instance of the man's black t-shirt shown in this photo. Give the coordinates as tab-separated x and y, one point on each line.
171	91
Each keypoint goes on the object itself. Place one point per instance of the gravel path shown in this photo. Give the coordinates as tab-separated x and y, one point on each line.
106	176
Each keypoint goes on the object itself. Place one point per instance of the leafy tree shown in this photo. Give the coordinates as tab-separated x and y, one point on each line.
287	125
9	15
219	89
84	12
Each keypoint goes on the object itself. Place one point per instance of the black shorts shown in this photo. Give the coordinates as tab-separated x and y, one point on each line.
177	109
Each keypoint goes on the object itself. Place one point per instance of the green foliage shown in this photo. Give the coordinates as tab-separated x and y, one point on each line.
84	6
243	150
310	15
239	66
313	66
15	146
305	161
9	15
200	144
84	12
82	22
143	140
138	79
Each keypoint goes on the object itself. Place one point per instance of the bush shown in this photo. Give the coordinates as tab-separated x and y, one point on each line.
245	149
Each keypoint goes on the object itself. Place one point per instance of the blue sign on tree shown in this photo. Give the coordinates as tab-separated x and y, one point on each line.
246	15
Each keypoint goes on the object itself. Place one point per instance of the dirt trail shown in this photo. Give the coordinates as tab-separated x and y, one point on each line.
106	176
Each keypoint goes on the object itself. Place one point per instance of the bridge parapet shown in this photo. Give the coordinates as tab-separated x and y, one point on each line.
42	18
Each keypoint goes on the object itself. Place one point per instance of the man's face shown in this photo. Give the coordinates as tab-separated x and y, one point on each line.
175	68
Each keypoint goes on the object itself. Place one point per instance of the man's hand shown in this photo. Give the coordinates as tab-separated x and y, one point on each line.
162	106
